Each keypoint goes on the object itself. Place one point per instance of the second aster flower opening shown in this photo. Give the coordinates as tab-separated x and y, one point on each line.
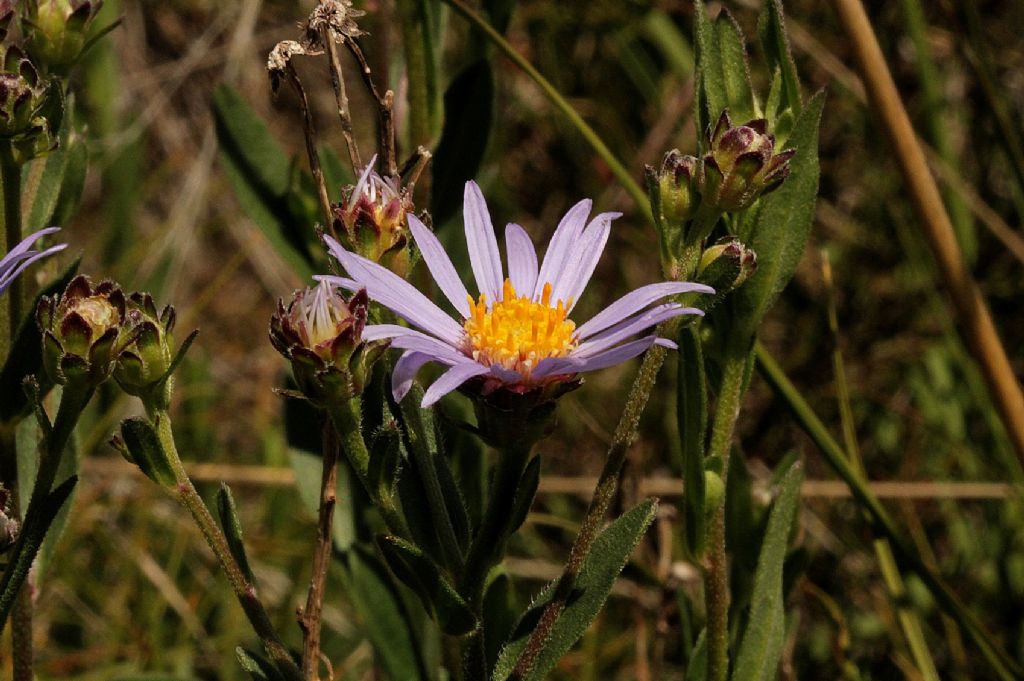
516	333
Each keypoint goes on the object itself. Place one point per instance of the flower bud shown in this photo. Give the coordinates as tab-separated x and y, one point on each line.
726	265
27	105
320	333
372	218
741	164
677	188
82	332
56	31
142	366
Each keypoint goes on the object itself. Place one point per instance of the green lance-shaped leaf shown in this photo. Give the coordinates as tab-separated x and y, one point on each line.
258	667
56	177
385	620
228	515
761	647
499	615
525	493
468	115
692	413
141	446
697	670
26	356
725	74
385	455
602	565
33	535
779	230
264	180
421	574
771	28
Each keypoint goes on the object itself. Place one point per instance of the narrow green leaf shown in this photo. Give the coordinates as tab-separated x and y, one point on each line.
697	670
258	667
761	647
26	355
525	493
385	455
468	115
692	413
771	28
385	621
702	45
143	448
421	574
32	536
499	615
779	232
264	179
228	514
607	557
728	74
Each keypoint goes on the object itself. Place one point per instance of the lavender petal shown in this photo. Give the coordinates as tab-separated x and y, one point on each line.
522	259
398	295
440	266
580	267
450	380
635	301
630	327
482	244
561	244
406	368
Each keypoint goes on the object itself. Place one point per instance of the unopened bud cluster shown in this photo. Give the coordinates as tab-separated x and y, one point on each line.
724	267
741	164
320	333
56	31
82	332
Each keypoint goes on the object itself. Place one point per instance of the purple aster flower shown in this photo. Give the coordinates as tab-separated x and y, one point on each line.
22	255
516	334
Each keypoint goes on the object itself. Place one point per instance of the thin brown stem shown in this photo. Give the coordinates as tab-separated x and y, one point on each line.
21	635
385	109
309	131
310	617
607	484
330	38
976	321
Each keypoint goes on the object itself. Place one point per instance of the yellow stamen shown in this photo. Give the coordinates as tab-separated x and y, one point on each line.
517	333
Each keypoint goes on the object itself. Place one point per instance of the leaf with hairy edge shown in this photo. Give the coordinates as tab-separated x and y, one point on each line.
697	670
779	232
228	514
258	667
468	115
385	620
771	28
724	72
692	413
761	647
602	565
421	574
263	178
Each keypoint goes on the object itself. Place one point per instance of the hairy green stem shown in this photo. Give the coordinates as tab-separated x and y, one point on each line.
607	484
882	524
244	589
348	419
716	588
419	68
